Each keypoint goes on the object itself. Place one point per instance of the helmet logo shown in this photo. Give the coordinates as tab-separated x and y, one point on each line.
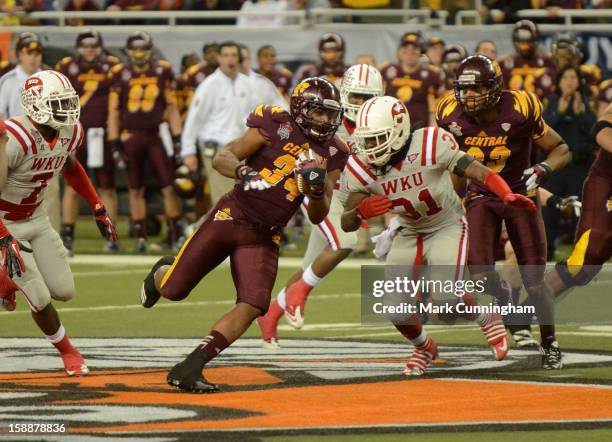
397	111
33	82
301	88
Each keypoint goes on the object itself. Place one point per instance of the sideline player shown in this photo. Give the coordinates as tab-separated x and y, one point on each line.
88	73
247	222
328	244
407	173
141	96
41	144
499	128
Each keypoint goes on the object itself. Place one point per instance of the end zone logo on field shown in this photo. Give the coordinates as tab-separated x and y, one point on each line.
127	393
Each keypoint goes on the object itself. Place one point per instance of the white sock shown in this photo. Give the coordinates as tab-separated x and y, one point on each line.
281	298
58	336
420	339
310	278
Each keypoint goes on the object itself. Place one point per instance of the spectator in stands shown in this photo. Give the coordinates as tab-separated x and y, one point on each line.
24	7
568	113
210	5
435	49
131	5
81	5
366	58
486	48
169	5
268	9
502	11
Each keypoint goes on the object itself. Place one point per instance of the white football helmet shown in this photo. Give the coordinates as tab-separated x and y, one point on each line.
359	79
382	128
49	99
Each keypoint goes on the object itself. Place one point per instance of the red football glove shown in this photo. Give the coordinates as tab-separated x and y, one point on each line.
105	224
374	205
11	250
499	187
519	201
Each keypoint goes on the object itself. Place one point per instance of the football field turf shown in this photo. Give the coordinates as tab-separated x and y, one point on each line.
334	380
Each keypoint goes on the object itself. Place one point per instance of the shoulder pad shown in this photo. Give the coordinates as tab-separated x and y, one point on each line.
65	60
286	71
164	63
113	59
117	68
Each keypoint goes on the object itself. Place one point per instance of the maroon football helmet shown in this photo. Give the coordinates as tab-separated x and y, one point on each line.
89	39
331	49
139	47
483	75
28	41
313	101
525	37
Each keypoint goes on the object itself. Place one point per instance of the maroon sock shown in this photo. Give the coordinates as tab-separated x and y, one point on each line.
211	346
547	335
140	228
412	330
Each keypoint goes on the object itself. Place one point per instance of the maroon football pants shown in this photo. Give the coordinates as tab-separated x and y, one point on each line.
146	145
252	249
525	232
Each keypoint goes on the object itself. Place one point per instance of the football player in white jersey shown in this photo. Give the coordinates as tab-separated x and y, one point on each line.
328	244
41	144
407	173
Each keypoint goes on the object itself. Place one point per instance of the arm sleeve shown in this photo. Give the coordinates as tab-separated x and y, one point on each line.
199	108
447	151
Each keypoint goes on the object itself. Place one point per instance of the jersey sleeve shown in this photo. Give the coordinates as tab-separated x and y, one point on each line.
340	152
357	176
446	106
265	117
14	152
447	152
530	107
114	79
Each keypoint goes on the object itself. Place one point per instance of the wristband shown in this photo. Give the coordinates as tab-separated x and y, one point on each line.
241	170
553	201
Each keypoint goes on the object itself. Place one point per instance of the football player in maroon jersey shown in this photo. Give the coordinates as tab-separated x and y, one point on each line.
88	72
332	49
499	128
279	160
529	69
142	94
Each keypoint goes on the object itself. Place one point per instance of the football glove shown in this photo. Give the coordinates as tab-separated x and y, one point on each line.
519	201
11	255
310	172
566	204
105	224
536	175
251	178
374	205
118	153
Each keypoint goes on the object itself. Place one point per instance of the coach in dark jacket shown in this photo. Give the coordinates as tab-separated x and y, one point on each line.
568	113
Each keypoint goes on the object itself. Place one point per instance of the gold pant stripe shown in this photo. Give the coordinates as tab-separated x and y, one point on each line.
176	260
576	259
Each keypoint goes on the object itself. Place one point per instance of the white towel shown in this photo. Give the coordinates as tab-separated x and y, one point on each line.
95	147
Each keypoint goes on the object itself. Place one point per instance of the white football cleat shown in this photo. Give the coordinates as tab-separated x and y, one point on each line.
294	317
271	344
523	338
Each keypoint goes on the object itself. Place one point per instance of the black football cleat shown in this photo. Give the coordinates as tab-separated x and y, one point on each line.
187	376
148	293
552	359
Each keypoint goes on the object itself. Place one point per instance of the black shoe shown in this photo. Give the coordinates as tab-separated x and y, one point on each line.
552	359
187	376
148	293
67	241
